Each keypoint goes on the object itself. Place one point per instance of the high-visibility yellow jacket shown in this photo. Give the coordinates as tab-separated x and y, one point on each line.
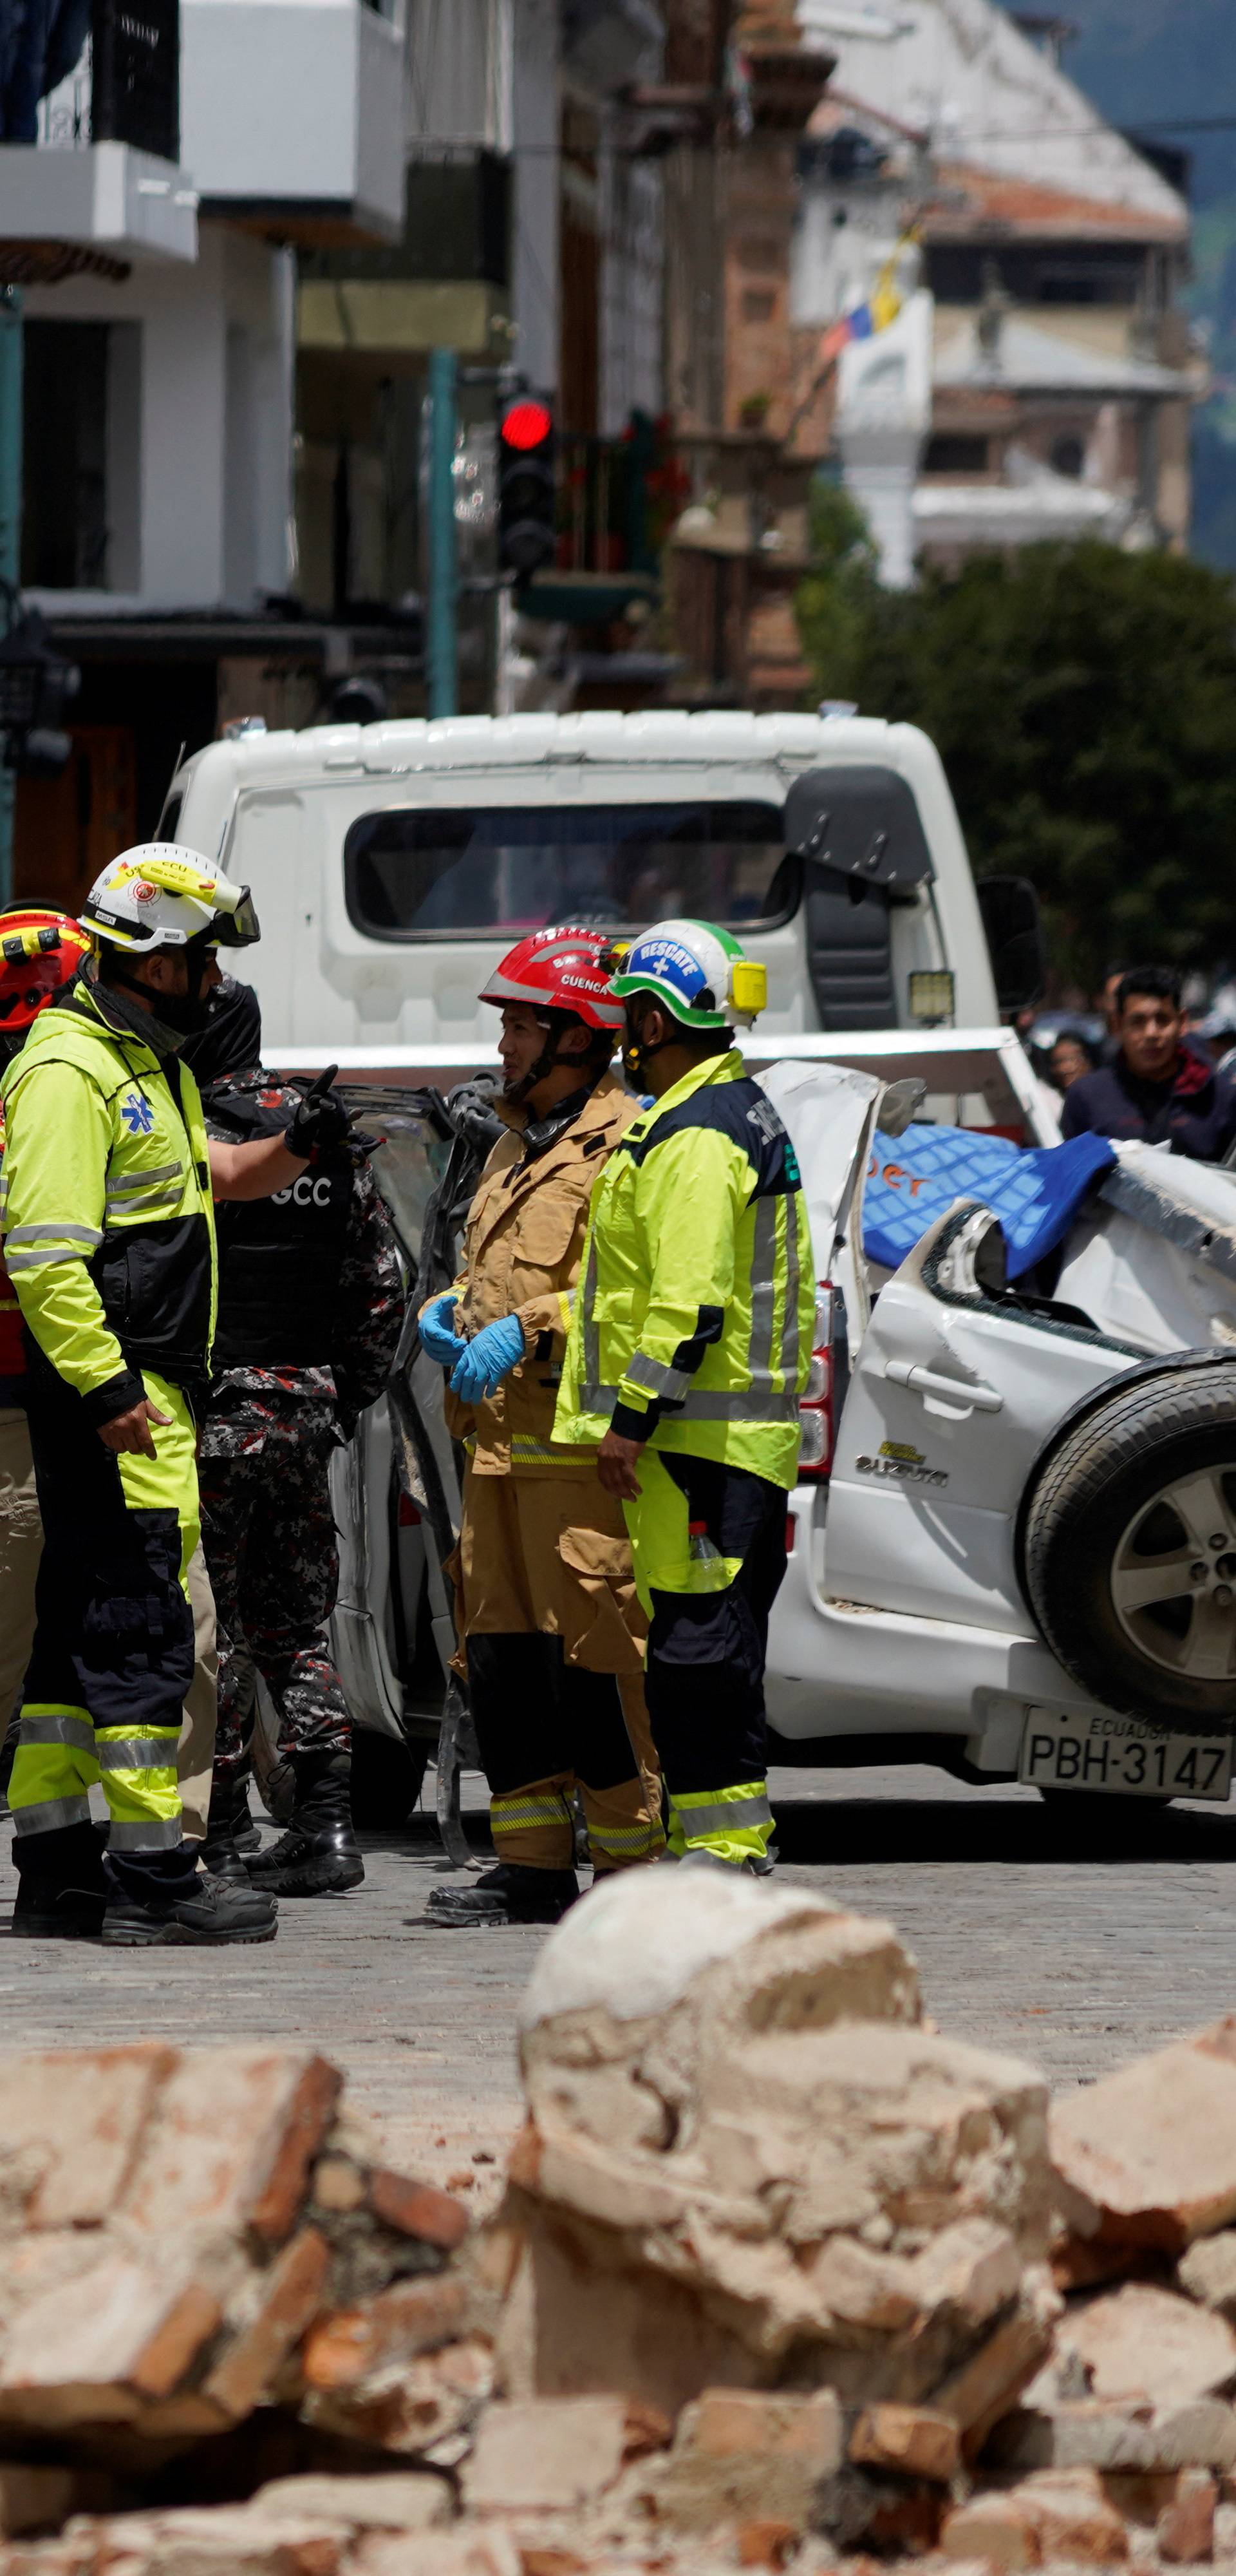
693	1320
522	1247
105	1206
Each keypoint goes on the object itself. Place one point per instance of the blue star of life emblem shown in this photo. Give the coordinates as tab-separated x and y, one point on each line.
137	1114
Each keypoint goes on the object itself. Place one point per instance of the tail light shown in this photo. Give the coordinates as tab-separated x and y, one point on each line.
820	1405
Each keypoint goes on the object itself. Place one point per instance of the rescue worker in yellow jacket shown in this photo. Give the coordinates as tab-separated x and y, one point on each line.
547	1611
105	1208
689	1349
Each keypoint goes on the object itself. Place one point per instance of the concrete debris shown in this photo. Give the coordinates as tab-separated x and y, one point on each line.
1146	2158
783	2279
780	2159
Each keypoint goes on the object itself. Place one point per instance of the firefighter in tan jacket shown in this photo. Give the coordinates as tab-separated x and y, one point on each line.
548	1618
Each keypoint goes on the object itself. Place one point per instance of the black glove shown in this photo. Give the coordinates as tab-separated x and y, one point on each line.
321	1119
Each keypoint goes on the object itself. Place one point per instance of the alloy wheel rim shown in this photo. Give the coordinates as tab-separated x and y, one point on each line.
1173	1577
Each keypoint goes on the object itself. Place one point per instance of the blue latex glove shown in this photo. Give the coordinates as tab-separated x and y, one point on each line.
487	1358
437	1336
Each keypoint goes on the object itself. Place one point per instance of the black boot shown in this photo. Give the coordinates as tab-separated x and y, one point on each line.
211	1911
509	1893
61	1889
318	1855
231	1835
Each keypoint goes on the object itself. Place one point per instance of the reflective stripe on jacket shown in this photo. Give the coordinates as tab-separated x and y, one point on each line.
12	1354
105	1206
522	1250
693	1323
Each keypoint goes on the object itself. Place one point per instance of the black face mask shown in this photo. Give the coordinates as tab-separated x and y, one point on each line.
182	1014
227	1038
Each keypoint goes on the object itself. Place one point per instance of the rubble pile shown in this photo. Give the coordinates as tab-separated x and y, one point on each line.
781	2276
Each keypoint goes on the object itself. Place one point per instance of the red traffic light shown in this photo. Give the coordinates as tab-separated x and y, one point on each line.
526	425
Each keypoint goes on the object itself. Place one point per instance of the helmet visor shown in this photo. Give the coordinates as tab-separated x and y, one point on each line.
238	929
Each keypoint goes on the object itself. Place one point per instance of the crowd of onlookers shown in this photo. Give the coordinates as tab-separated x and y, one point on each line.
1143	1064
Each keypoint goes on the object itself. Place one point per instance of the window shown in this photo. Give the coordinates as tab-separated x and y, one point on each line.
81	455
1068	454
498	871
955	454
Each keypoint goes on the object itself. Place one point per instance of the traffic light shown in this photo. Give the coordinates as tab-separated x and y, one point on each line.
527	502
36	687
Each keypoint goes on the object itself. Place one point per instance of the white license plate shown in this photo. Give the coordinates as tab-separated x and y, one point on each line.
1123	1756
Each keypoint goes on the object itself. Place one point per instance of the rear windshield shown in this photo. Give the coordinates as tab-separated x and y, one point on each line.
430	874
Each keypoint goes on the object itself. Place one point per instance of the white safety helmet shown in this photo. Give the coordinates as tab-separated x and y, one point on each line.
161	895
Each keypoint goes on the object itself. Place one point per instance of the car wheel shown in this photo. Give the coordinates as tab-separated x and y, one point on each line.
1130	1552
386	1778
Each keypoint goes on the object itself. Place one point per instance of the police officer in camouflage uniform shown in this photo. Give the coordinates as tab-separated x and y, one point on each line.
311	1302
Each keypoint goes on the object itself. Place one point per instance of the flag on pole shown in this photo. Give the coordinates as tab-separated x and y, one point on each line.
880	308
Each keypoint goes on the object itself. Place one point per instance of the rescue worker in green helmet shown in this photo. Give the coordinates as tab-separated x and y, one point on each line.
105	1208
689	1349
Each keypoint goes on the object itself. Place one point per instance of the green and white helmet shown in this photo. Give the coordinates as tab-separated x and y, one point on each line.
697	970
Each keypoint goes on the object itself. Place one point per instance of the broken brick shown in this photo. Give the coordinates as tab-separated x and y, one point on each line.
90	2350
395	2325
291	2298
1186	2532
1147	2157
230	2144
1142	2341
80	2114
417	2209
915	2440
554	2451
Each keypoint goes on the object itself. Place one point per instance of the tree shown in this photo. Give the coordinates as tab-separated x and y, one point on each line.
1083	701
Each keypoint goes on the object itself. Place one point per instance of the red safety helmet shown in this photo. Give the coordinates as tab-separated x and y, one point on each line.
559	970
40	952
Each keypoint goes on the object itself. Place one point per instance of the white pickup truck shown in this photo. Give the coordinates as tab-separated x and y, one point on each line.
392	865
1014	1530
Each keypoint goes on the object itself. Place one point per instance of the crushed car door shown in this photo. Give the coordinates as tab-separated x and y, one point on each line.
955	1386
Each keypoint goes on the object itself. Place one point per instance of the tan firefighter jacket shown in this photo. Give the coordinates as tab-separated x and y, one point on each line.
522	1249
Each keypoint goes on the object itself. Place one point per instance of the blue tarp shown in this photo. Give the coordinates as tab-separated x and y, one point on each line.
912	1180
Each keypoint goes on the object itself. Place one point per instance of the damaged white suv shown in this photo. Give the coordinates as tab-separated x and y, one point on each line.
1014	1532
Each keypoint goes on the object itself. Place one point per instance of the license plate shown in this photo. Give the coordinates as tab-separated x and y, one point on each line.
1119	1754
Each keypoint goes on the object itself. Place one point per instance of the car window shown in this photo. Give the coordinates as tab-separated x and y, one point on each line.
430	873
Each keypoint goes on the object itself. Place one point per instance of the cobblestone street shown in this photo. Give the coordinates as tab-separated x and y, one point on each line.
1032	1934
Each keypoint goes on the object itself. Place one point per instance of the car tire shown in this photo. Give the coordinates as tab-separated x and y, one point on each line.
386	1779
1130	1551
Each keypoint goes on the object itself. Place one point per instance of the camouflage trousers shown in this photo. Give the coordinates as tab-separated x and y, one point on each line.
269	1535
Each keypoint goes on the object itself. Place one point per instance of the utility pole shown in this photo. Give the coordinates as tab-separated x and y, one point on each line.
10	531
442	641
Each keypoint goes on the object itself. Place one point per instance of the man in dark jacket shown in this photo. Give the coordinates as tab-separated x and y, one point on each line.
311	1301
1156	1090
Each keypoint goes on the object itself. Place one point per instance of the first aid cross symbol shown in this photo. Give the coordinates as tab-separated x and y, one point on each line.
137	1114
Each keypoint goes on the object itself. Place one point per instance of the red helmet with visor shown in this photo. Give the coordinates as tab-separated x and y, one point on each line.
40	952
559	970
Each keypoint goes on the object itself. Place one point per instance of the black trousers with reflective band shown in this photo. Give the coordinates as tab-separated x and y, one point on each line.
113	1649
707	1650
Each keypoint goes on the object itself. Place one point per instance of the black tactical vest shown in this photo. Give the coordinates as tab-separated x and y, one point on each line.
280	1259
